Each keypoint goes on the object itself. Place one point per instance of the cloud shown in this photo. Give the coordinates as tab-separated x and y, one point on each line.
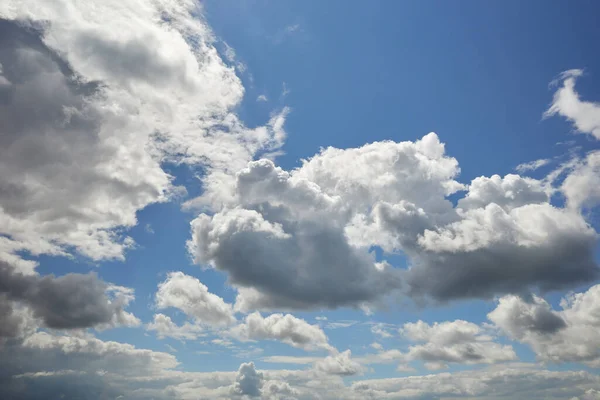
339	364
286	238
380	329
67	302
492	250
285	328
457	341
165	327
191	296
275	244
340	324
262	97
567	335
507	382
93	100
581	187
532	165
584	115
248	381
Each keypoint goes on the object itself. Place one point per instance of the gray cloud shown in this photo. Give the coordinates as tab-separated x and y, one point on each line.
66	302
566	335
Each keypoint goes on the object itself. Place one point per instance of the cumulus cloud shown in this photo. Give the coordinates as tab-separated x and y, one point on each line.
584	115
165	327
457	341
248	381
285	328
339	364
286	238
66	302
581	187
277	243
93	99
191	296
566	335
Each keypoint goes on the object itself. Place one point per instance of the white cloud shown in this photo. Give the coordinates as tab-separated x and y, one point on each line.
262	97
285	328
581	187
532	165
119	88
584	115
453	342
505	382
248	381
504	235
567	335
380	329
191	296
339	364
340	324
165	327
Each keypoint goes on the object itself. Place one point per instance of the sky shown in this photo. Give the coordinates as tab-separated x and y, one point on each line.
299	200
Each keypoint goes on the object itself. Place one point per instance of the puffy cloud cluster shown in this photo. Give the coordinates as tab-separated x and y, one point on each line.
567	335
301	238
285	328
191	296
339	364
248	381
67	302
115	369
453	342
93	99
164	327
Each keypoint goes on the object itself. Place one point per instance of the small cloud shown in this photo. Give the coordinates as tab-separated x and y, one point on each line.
292	28
286	32
285	90
149	229
321	318
223	342
340	324
171	348
532	165
380	330
262	97
376	346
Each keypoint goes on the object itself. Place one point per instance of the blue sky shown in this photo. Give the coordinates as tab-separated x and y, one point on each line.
245	199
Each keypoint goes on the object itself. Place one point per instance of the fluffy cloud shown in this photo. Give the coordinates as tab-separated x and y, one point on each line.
191	296
581	187
165	327
339	364
491	250
286	245
93	98
556	336
66	302
583	114
38	369
286	328
286	239
248	381
453	342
